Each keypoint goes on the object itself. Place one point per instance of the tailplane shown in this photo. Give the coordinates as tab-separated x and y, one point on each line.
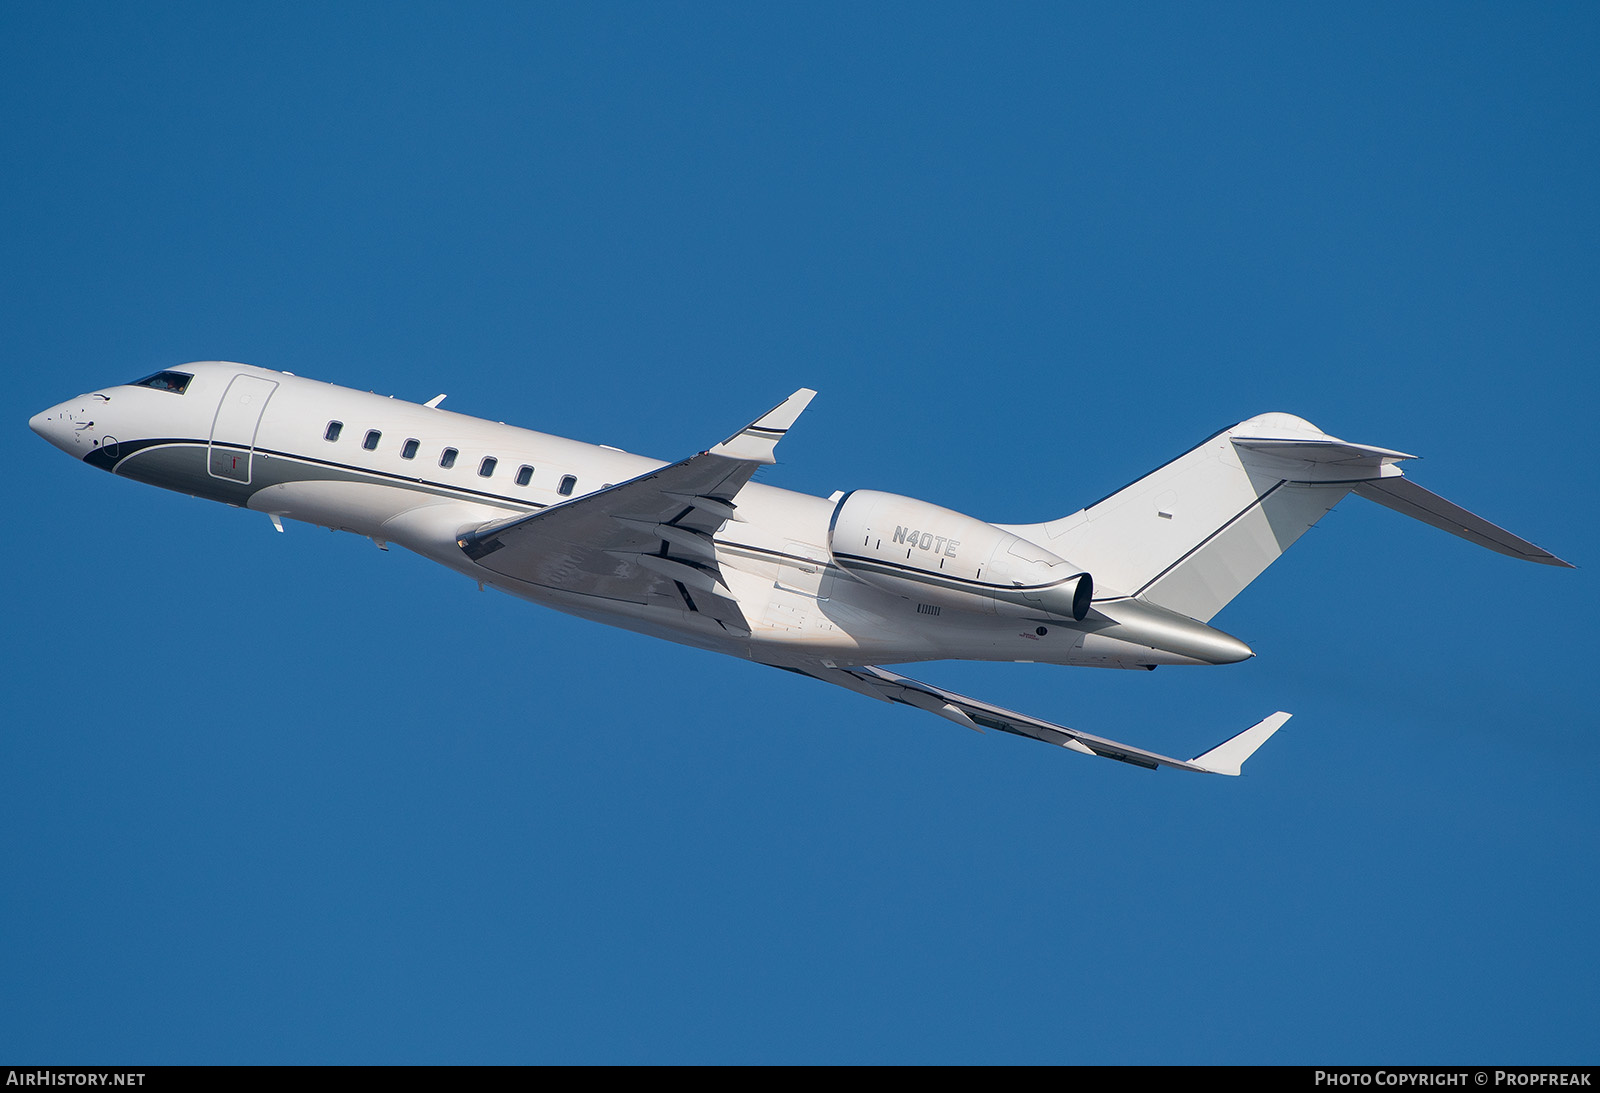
1193	533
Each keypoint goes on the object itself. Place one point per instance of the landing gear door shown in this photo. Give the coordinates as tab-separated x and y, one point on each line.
233	433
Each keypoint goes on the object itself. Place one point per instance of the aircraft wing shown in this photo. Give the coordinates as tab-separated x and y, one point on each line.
1225	758
647	540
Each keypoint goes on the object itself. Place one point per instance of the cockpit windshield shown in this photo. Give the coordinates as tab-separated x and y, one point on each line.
176	382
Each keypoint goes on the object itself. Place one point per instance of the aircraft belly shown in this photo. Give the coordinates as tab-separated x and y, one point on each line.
361	507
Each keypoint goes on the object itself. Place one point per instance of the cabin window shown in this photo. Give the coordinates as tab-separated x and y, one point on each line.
370	441
447	458
408	450
176	382
568	484
332	431
486	468
524	475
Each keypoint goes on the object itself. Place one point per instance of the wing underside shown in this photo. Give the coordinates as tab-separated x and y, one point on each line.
1225	758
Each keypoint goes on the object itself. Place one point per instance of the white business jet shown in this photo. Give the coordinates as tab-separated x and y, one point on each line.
695	552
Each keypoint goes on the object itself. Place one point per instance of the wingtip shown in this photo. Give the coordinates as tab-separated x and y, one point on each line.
758	441
1228	757
786	412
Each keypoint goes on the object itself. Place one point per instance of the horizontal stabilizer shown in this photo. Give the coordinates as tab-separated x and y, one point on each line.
1410	499
1325	449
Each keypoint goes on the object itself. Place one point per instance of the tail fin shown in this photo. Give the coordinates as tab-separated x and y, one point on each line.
1190	535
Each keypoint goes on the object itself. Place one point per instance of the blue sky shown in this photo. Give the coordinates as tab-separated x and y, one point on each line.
284	798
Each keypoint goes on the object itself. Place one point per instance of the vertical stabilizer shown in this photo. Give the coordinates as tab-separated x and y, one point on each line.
1190	535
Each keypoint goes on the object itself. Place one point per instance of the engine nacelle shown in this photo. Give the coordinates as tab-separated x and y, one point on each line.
941	557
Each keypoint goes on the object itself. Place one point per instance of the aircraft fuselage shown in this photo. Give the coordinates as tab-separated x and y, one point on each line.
422	477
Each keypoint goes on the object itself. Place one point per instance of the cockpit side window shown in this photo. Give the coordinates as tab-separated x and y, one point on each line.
176	382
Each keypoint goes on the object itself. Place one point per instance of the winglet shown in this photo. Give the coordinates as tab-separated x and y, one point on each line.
757	441
1228	756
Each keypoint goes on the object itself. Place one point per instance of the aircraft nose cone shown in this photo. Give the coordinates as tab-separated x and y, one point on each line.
56	426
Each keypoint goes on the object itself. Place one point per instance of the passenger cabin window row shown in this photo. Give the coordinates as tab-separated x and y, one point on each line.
447	457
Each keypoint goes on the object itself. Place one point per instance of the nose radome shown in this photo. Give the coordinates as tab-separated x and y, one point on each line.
56	426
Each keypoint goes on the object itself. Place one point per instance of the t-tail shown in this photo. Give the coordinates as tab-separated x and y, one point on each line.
1189	536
